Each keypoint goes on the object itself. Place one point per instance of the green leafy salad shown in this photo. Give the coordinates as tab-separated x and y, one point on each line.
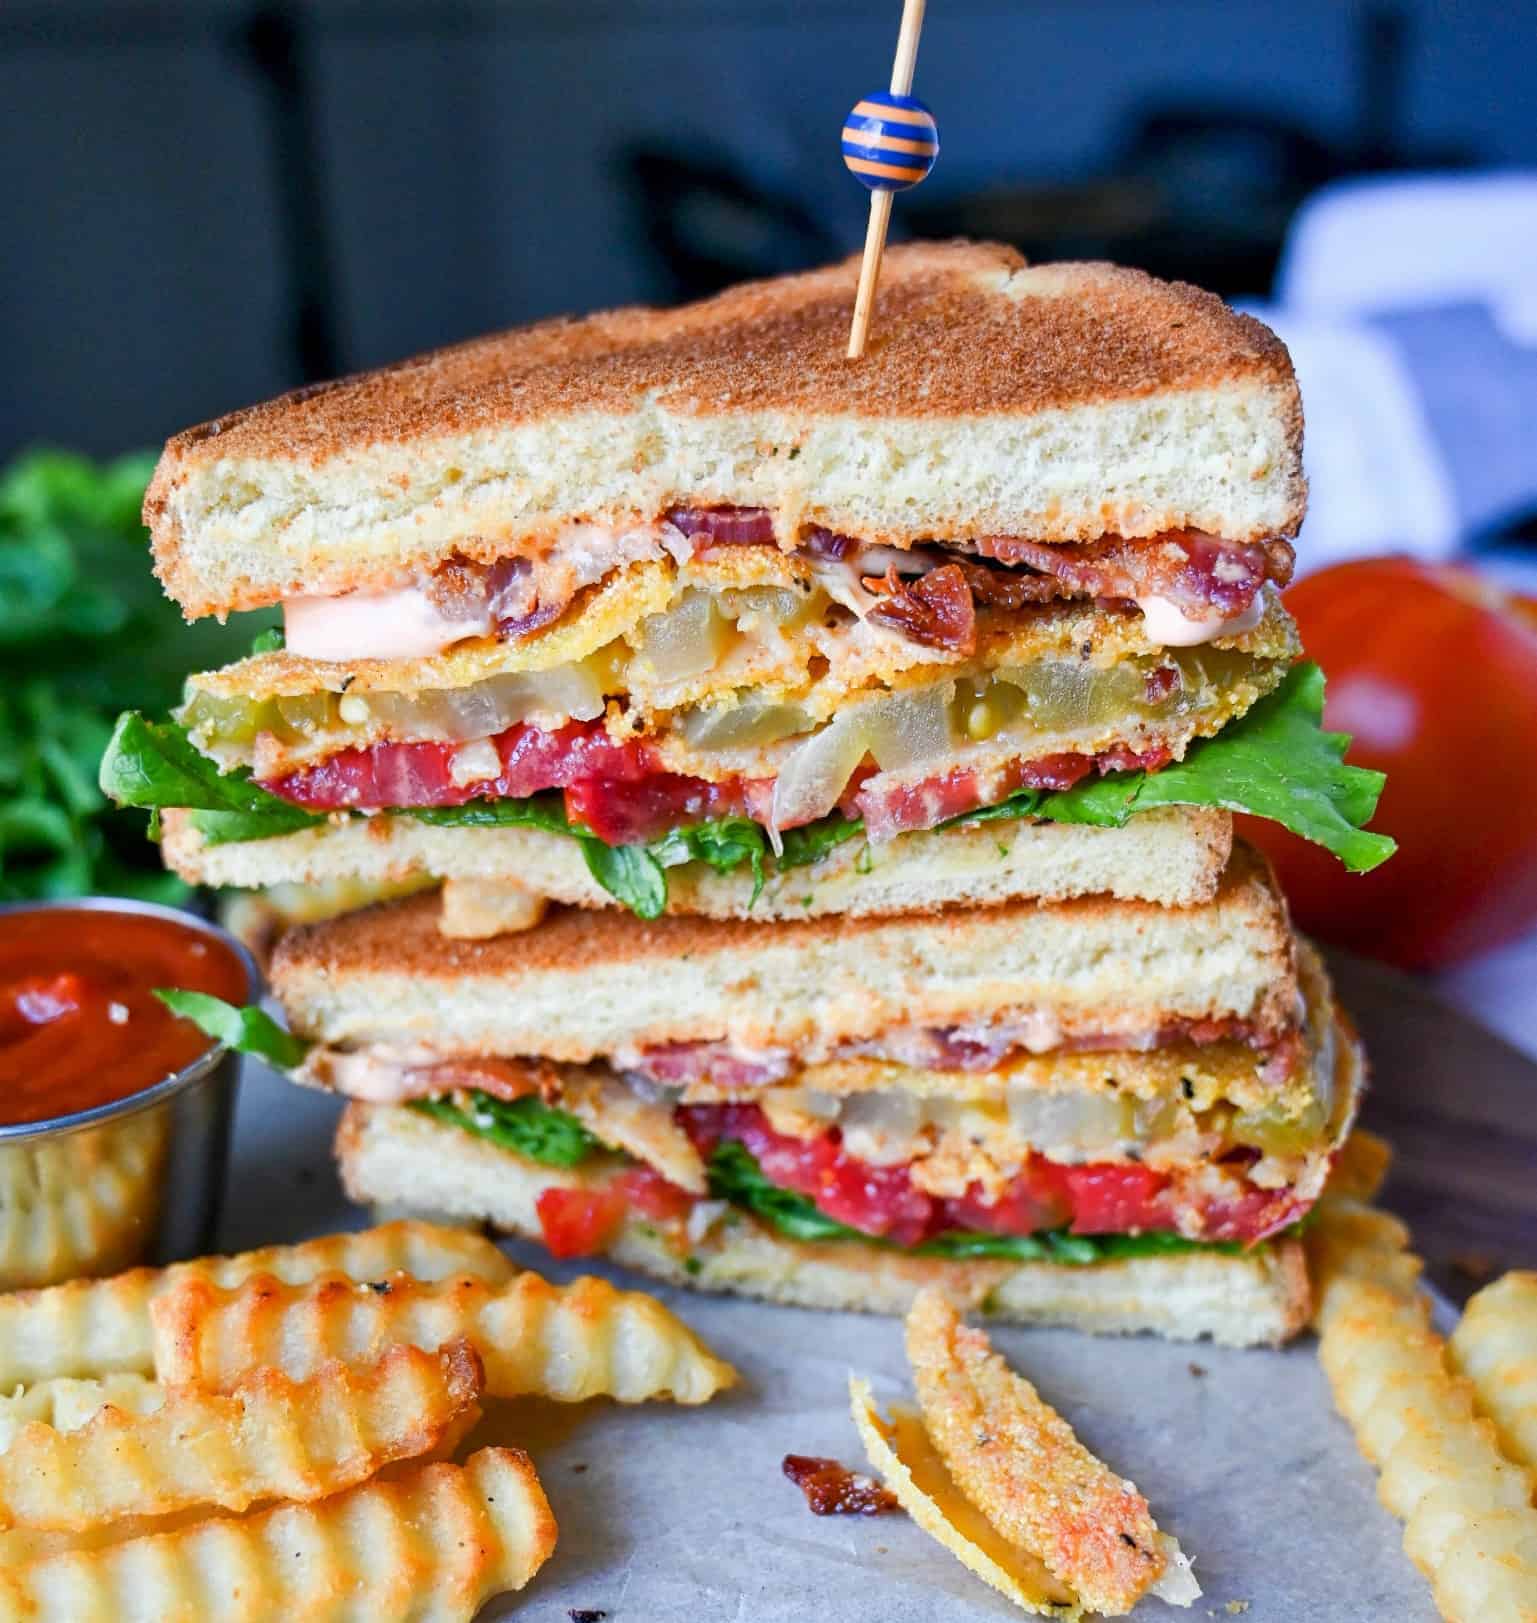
1275	761
84	630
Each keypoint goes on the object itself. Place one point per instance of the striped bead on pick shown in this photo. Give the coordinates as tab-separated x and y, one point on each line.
890	142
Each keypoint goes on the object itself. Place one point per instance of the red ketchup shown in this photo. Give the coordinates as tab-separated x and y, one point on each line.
79	1023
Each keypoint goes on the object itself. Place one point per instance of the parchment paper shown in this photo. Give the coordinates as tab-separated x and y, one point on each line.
683	1516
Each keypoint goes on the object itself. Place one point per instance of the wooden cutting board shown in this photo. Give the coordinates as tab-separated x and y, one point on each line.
1459	1106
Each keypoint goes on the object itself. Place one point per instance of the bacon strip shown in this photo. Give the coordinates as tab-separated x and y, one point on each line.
725	526
1195	571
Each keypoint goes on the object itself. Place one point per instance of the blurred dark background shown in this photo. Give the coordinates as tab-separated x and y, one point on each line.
211	202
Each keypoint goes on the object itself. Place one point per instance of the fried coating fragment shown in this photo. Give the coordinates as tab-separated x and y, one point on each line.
1020	1462
1469	1525
900	1450
95	1327
270	1437
1495	1346
568	1342
430	1546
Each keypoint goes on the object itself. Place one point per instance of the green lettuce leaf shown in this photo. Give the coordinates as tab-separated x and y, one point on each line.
546	811
247	1030
528	1126
1275	761
803	846
154	765
724	844
630	874
1058	1245
735	1175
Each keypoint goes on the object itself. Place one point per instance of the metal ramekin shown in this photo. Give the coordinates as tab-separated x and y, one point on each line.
138	1180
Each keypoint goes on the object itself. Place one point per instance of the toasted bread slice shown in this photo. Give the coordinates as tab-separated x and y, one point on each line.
395	1157
1059	402
592	985
1173	856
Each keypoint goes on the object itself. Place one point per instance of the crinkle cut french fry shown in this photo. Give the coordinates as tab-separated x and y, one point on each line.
65	1402
1489	1573
93	1327
1361	1167
1468	1519
1495	1346
269	1438
1350	1240
428	1547
568	1342
1020	1462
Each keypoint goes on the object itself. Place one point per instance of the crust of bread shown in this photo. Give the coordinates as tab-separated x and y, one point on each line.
400	1159
584	985
1062	402
1173	856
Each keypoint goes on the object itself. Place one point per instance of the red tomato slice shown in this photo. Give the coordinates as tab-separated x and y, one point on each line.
648	1192
579	1222
1114	1199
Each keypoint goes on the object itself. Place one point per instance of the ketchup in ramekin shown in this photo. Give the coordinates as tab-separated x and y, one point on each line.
80	1025
114	1114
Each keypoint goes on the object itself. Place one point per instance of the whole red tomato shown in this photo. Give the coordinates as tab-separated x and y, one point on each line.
1433	669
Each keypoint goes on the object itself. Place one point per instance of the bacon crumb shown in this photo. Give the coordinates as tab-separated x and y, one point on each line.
832	1489
934	610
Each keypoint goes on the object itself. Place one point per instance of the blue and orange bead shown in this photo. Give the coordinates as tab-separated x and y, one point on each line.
890	142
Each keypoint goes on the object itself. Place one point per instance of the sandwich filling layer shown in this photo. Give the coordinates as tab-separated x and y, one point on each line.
1069	1156
731	711
1190	587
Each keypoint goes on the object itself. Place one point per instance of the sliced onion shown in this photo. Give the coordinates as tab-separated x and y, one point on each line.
688	639
882	1128
909	728
818	1102
901	730
568	690
303	715
486	708
815	775
777	603
750	725
1084	1120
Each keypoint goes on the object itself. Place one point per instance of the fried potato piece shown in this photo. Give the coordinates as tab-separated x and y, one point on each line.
270	1437
1495	1346
93	1327
1469	1525
1349	1240
1360	1167
427	1547
1020	1462
66	1403
900	1450
568	1342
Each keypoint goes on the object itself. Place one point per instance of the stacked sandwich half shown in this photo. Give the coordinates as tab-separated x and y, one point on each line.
816	778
